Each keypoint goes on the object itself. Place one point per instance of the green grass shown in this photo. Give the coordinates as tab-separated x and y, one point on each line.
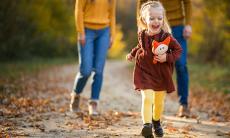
212	77
15	69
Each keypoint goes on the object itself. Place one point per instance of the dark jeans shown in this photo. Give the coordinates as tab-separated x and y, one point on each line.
181	67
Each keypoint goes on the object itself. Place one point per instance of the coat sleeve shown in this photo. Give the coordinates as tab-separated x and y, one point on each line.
187	11
175	51
134	50
113	19
79	12
139	45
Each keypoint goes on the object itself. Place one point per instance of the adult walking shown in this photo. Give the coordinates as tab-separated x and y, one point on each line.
95	24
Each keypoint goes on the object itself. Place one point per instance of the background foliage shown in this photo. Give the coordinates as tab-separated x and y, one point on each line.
36	28
46	28
211	26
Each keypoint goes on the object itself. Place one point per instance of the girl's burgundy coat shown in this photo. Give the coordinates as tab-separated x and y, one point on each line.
154	76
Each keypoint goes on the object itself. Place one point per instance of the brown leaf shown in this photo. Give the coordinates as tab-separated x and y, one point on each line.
170	127
221	133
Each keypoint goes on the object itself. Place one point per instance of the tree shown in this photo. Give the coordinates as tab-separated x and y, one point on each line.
36	28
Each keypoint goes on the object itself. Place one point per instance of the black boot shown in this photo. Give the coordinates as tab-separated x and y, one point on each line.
147	130
157	128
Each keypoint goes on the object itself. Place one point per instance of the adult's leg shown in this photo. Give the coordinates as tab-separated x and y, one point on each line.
101	46
181	67
85	61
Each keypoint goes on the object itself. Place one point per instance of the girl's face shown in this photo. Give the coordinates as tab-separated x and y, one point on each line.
154	20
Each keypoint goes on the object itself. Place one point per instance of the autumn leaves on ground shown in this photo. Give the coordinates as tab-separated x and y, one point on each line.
37	105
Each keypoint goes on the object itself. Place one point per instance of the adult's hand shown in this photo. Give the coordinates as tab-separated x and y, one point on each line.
187	32
111	42
81	39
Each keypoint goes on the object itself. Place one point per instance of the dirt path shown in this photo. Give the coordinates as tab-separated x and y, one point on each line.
41	109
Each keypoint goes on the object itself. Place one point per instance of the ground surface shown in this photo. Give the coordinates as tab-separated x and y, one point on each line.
38	106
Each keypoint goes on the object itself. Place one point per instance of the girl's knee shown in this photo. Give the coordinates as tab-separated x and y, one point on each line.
159	98
159	104
147	96
147	100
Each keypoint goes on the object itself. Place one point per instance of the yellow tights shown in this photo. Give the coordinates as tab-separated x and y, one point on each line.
152	105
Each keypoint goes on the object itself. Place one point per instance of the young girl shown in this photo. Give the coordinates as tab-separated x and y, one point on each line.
153	72
179	13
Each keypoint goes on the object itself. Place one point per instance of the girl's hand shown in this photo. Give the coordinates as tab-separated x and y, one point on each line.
160	58
129	57
81	39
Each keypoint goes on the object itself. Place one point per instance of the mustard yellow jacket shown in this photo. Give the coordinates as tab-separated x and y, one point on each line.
96	14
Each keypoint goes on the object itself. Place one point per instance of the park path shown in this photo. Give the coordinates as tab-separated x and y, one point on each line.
40	108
